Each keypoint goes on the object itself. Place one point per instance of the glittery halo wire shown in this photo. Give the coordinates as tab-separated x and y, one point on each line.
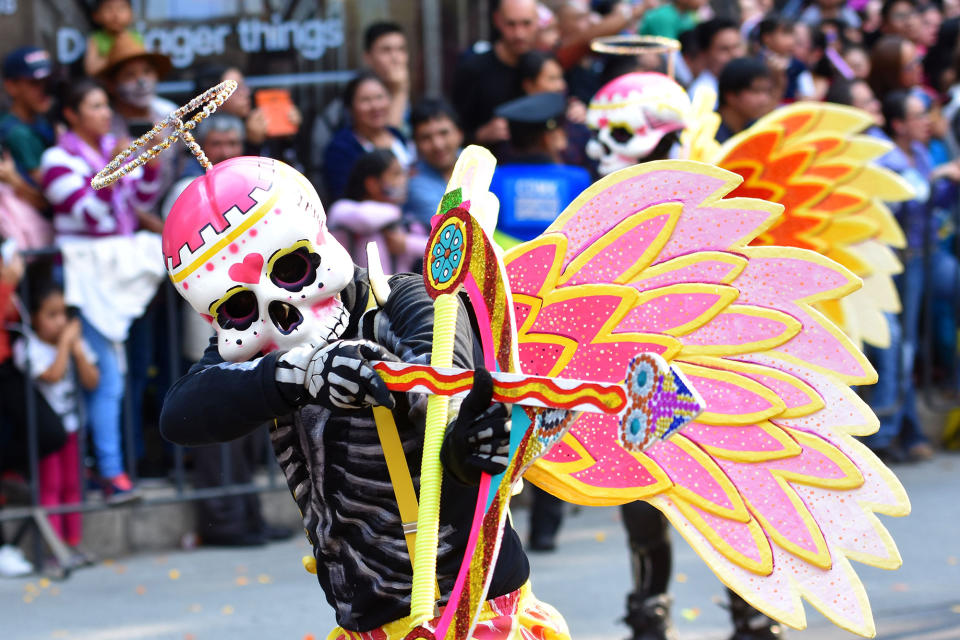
205	104
632	45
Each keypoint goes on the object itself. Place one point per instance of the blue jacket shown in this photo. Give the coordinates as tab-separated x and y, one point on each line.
341	154
533	195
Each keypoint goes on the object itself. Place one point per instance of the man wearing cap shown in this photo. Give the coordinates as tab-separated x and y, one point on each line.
24	131
531	182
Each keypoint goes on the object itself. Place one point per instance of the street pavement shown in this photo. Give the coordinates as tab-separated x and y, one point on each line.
264	593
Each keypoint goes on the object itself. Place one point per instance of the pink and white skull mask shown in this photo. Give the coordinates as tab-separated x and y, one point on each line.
247	245
630	115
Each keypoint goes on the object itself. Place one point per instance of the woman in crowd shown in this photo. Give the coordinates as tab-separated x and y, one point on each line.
368	101
82	213
894	64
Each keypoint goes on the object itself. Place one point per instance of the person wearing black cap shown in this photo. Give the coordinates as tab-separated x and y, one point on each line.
531	182
24	131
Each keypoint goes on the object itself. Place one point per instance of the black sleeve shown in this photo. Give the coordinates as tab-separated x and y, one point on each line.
465	98
217	401
405	325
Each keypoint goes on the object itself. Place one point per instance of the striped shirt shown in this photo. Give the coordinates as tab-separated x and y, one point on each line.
79	210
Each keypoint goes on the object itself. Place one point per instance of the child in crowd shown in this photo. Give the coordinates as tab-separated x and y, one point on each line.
113	17
55	354
370	211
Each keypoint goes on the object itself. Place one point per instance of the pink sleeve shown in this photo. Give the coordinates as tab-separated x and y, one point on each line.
145	191
362	217
414	244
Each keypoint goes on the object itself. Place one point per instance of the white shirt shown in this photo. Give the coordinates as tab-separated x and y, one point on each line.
60	395
704	80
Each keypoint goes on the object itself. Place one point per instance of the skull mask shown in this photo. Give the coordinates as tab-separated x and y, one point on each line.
248	247
630	115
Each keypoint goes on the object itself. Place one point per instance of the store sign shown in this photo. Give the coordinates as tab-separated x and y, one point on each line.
186	44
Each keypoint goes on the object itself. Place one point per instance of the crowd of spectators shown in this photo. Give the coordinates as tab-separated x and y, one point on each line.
381	156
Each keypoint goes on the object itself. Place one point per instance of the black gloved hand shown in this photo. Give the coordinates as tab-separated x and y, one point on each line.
479	438
336	375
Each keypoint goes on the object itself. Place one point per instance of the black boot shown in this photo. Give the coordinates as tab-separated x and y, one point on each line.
650	619
750	624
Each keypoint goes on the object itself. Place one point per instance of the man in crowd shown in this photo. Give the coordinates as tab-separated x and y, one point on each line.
578	26
25	132
486	80
385	53
719	41
438	138
745	94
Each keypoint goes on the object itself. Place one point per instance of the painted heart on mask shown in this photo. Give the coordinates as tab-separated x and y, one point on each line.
249	270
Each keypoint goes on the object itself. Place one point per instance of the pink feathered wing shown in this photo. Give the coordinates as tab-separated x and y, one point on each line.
768	485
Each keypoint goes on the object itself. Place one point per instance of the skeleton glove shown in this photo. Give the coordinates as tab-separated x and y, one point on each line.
479	438
336	375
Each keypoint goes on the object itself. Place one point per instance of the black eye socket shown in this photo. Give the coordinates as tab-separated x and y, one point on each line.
295	270
291	268
239	311
621	134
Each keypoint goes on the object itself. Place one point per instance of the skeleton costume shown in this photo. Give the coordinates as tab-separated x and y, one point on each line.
247	246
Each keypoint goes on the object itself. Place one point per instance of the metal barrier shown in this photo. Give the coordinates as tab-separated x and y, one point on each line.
33	516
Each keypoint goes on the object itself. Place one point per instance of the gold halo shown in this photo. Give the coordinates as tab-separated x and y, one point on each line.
207	103
631	45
